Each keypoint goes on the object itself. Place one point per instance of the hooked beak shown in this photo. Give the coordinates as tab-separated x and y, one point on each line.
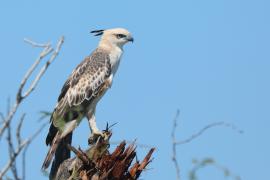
130	39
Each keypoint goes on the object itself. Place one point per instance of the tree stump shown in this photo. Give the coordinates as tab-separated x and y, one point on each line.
97	163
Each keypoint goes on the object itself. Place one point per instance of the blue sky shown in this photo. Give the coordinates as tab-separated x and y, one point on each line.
208	58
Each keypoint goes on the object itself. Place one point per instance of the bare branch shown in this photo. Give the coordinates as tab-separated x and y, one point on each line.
44	68
192	137
8	119
24	162
34	44
209	126
46	51
201	164
174	157
18	131
26	148
12	159
23	144
11	152
18	150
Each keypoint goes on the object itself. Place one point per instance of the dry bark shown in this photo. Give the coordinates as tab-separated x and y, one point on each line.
97	163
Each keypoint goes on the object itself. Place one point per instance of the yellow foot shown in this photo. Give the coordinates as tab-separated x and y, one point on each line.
98	136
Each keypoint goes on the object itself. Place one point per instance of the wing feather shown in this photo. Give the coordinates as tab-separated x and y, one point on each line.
85	81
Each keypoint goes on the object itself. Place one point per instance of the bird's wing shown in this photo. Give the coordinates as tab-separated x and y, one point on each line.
85	81
83	84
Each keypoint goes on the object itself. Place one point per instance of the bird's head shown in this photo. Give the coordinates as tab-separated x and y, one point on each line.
114	37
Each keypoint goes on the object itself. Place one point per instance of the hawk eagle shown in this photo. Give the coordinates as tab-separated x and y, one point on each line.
83	89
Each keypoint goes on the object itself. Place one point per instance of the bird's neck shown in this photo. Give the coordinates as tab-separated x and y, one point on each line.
115	57
115	52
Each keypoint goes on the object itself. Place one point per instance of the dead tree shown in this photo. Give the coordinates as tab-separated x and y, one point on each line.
97	163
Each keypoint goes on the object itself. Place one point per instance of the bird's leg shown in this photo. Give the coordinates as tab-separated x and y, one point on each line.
95	132
93	125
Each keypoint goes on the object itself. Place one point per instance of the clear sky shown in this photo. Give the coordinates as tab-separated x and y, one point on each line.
208	58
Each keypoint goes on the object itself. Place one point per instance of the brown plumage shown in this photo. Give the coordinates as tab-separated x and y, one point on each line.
76	95
81	92
51	152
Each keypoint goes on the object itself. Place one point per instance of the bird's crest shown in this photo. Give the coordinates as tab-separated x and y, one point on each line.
97	32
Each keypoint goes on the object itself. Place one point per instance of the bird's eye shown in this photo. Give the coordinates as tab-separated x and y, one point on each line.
119	36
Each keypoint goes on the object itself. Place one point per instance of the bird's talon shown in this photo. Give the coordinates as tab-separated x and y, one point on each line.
97	136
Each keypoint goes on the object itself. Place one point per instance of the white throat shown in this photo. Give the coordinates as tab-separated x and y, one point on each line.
115	57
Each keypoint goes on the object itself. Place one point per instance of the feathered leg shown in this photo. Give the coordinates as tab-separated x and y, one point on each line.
91	113
92	122
95	132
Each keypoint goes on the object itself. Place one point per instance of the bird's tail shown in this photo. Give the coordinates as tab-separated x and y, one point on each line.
62	153
58	149
52	150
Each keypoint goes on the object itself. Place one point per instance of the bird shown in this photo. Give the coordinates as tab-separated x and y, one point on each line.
81	92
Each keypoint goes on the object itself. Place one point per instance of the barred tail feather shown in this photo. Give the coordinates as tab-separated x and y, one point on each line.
51	151
62	153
